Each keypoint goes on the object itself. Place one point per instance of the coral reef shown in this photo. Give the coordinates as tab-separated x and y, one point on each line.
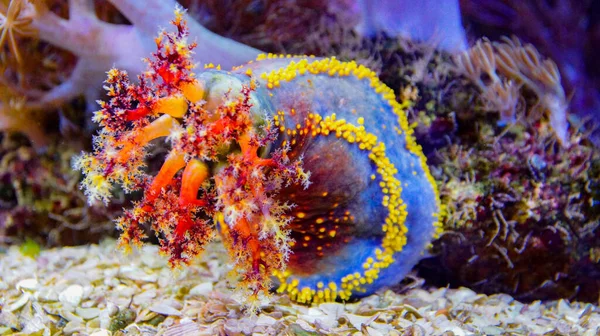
516	199
40	198
101	34
522	206
38	84
515	168
28	83
249	143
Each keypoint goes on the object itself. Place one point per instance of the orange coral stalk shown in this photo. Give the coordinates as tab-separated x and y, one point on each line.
174	162
175	106
160	127
193	91
194	175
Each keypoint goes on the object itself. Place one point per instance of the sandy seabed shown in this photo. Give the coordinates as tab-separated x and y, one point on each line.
97	290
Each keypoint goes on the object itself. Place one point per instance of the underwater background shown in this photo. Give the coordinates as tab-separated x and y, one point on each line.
299	167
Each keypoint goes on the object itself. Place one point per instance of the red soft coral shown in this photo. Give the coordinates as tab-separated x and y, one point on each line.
183	203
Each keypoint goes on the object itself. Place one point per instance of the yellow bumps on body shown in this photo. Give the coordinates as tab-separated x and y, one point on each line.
355	125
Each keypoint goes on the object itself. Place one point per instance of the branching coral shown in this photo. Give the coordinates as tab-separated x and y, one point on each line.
100	45
499	69
242	146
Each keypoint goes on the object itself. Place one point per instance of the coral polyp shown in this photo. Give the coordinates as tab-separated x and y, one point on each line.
306	167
